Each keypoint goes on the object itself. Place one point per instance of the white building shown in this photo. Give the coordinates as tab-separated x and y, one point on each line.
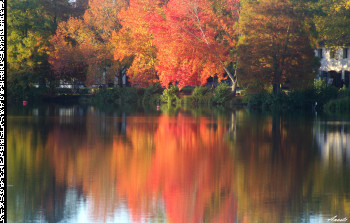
335	65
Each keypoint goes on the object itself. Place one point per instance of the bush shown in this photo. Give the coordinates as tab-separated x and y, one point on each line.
64	91
338	105
297	99
221	94
152	94
170	95
256	101
344	92
281	102
324	92
200	95
116	95
302	99
20	87
128	95
200	91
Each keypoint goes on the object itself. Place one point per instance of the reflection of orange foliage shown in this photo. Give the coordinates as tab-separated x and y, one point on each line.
179	165
178	168
132	162
192	168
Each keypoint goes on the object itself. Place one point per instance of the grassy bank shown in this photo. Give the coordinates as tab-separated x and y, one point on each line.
320	96
155	95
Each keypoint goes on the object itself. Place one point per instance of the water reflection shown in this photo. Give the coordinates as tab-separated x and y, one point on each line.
76	164
333	138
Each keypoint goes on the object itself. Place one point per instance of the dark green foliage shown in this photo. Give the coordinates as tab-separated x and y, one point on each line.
302	99
324	93
18	88
338	105
270	102
117	95
344	92
152	95
307	99
201	95
200	91
221	94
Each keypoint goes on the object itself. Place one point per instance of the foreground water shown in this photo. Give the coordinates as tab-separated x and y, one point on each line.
81	164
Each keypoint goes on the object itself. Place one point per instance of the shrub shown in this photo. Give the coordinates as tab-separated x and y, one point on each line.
221	94
152	94
338	105
302	99
200	91
64	91
281	102
128	95
344	92
324	92
170	95
116	95
200	95
256	100
20	87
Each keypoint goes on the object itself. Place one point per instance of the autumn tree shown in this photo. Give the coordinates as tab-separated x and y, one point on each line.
69	58
27	36
85	42
332	19
29	27
194	39
274	48
134	42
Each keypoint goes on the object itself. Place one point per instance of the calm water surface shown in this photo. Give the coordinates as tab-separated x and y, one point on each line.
82	164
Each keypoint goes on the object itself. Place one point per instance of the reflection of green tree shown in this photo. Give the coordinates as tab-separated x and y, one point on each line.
32	185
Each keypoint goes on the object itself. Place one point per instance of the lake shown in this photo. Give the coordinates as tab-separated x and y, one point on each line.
86	164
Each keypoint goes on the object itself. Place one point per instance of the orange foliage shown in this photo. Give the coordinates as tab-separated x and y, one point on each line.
176	164
135	41
69	58
191	45
83	45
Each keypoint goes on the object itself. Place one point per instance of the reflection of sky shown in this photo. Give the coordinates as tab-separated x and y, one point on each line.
333	139
120	216
83	215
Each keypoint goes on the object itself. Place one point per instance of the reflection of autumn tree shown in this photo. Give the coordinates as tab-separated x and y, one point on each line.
81	157
32	183
177	165
193	170
132	158
271	172
179	168
179	160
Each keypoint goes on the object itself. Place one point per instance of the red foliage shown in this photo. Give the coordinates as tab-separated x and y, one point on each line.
193	41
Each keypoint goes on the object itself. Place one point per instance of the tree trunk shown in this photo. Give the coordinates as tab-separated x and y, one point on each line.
120	78
276	89
233	78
